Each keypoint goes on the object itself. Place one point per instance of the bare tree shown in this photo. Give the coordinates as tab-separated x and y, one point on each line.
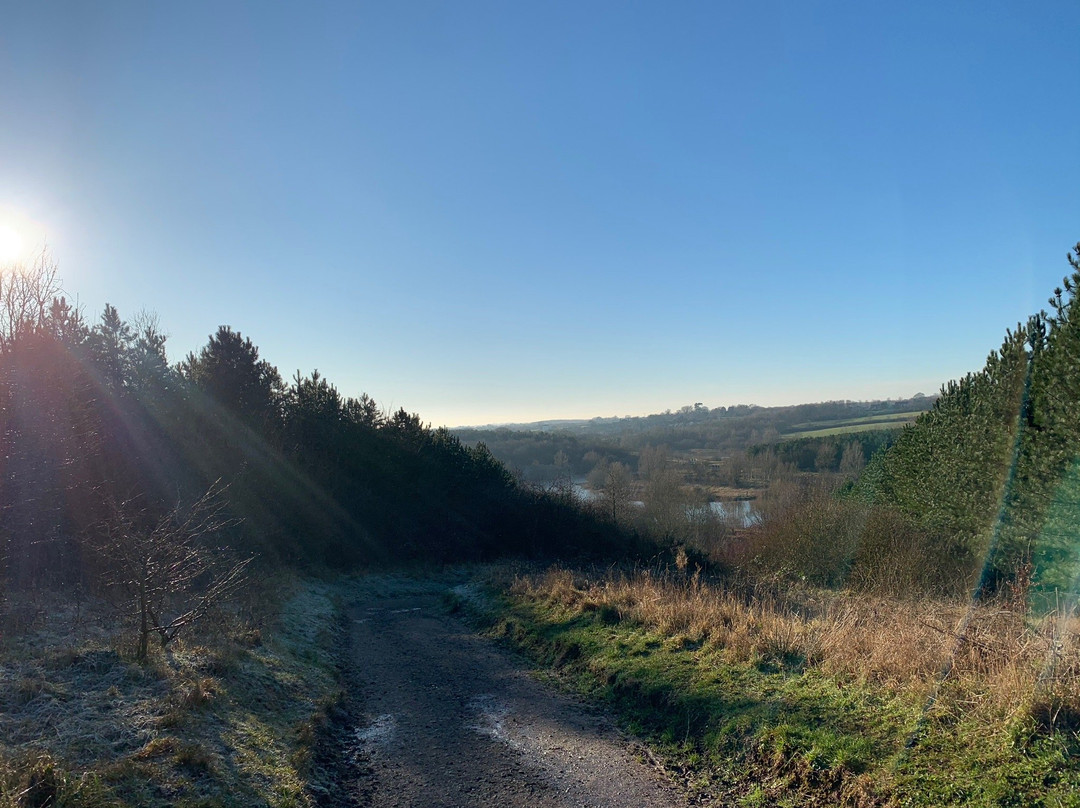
618	488
26	295
826	456
665	495
853	459
165	570
562	487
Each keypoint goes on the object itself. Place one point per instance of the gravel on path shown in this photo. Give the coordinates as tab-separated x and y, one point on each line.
449	720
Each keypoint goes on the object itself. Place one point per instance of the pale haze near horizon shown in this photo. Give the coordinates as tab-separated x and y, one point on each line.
492	213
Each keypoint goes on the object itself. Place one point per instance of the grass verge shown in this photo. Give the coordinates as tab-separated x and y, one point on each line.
816	698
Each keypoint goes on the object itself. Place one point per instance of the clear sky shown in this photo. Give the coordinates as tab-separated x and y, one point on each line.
508	211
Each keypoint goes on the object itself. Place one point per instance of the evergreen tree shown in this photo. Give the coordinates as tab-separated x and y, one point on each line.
995	465
228	369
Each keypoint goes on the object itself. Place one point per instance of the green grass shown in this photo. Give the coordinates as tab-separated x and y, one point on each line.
845	430
820	429
792	737
910	415
775	731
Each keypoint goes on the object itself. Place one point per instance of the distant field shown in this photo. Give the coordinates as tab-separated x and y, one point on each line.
904	417
824	428
842	430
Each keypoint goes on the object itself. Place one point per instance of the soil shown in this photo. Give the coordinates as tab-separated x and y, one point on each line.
443	717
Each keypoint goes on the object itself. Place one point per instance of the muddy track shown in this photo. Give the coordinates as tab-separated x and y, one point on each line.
442	717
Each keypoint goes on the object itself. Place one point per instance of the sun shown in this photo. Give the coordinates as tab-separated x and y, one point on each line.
11	244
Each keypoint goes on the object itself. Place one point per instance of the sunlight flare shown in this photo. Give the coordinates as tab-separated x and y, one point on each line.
11	244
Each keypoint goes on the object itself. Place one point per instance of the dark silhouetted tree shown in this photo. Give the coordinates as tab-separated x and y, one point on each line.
229	370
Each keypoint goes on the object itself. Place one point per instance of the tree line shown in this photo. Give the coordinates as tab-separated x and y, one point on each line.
992	469
697	427
109	451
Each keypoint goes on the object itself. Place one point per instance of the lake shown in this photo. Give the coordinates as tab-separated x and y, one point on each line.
742	511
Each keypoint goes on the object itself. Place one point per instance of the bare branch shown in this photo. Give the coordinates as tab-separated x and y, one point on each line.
164	569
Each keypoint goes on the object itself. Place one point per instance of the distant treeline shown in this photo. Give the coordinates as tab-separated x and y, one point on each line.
100	435
720	430
840	452
546	455
992	469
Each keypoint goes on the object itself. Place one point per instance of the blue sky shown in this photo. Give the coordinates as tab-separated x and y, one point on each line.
490	212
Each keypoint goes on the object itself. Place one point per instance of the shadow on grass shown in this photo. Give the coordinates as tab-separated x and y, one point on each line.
772	719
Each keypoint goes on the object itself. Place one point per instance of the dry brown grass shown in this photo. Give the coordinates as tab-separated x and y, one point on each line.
986	659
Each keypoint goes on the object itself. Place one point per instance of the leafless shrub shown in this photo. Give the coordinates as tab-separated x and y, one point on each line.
165	571
809	534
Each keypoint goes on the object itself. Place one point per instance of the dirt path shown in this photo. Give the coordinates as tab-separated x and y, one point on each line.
448	719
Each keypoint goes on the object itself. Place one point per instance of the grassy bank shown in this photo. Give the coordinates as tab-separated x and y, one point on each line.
814	697
230	716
